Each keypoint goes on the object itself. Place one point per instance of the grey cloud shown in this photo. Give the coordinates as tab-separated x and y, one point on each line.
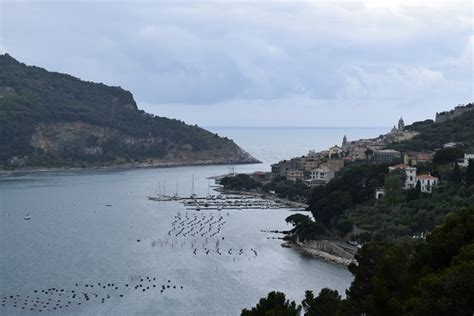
214	53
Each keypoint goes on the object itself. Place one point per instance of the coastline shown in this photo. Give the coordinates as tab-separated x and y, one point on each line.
312	252
305	249
124	166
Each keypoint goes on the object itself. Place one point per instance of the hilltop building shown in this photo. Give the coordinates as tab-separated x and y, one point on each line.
464	162
427	182
344	141
415	158
384	155
320	176
295	175
449	115
335	152
401	125
410	180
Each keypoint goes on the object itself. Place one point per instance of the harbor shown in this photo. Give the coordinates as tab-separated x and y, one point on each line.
227	202
225	199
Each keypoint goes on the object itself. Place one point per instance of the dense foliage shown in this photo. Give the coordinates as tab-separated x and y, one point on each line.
275	304
305	228
353	185
418	277
291	190
435	135
240	182
447	155
31	95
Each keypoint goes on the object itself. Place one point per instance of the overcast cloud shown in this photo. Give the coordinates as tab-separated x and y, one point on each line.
241	63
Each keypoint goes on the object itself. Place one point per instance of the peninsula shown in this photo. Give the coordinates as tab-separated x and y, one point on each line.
54	120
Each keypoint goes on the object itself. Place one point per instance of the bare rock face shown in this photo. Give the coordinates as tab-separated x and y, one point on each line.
82	138
79	139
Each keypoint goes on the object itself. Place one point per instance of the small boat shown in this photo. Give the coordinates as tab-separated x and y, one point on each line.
27	217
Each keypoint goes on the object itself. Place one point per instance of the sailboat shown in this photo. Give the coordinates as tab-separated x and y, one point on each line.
193	195
159	196
27	216
176	196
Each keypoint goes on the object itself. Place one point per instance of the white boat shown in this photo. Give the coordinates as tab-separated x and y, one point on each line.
160	197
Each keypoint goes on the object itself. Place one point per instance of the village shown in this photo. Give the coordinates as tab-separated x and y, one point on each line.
318	168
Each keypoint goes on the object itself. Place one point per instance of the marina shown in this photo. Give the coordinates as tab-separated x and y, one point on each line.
225	202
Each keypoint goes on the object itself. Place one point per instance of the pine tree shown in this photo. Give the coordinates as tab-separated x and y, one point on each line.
456	174
470	173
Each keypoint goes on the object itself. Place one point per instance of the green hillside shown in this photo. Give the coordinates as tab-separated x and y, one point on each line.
38	109
434	135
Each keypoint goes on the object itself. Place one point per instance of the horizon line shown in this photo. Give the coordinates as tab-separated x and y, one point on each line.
289	126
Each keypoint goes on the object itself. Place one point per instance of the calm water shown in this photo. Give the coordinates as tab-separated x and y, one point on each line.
85	228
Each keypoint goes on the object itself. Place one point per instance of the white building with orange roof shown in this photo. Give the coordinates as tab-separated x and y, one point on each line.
410	181
427	182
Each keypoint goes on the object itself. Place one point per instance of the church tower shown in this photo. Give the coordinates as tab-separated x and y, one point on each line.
401	125
344	141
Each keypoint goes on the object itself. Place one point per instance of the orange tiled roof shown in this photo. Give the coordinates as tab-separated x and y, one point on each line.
399	166
426	177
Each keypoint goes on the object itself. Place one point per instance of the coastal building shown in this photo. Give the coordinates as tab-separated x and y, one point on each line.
335	152
410	172
427	182
282	168
304	164
262	177
450	145
295	175
401	125
414	158
320	176
385	155
307	164
464	162
318	154
335	164
344	141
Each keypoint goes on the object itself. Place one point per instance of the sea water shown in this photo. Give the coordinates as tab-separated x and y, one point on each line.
91	227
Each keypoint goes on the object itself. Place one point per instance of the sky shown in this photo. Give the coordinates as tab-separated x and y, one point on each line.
258	63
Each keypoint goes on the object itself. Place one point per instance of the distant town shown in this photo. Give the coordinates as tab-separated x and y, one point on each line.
318	168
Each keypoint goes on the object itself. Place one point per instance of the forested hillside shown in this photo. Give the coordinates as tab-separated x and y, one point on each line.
57	119
434	135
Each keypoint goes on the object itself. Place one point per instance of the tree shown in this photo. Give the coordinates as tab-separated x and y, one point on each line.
456	176
327	303
297	219
275	304
240	182
417	277
470	172
393	190
447	155
414	194
331	206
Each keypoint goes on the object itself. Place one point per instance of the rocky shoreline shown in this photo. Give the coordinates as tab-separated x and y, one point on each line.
307	250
